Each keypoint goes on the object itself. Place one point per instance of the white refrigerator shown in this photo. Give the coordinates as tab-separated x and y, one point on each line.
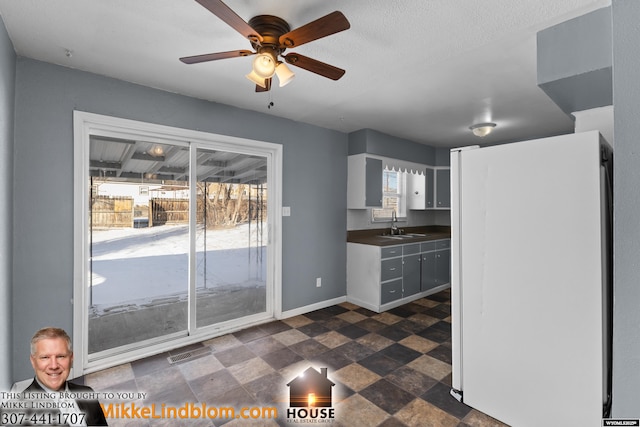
531	279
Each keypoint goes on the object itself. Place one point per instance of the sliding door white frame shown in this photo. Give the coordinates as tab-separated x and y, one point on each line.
87	124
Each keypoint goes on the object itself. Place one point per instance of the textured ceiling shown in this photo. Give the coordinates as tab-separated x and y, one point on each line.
424	70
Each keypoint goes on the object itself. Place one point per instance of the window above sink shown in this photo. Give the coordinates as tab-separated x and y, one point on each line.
394	197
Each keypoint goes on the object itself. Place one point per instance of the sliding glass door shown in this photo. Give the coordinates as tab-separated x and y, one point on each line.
175	241
139	242
231	236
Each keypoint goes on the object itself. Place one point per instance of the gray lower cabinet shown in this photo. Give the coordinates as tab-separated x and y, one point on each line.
379	278
390	274
443	262
428	272
411	275
390	291
391	269
436	264
411	260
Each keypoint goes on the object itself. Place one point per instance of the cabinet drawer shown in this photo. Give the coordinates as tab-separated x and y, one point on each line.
443	244
390	269
391	251
427	246
411	249
391	291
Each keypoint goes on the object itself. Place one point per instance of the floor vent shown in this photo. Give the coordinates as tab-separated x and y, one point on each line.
189	355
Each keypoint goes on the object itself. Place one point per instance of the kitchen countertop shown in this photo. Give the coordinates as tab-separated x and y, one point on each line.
381	237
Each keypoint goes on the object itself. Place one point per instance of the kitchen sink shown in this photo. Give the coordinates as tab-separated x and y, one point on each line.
402	236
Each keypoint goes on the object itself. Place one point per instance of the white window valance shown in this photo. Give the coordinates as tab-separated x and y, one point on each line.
403	166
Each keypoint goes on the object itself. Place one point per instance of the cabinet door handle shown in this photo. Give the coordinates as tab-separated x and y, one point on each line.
392	292
392	268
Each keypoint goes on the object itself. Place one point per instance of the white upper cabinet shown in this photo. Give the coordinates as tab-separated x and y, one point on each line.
429	191
420	190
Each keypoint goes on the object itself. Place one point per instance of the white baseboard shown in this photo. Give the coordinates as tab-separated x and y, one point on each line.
312	307
362	304
414	297
398	302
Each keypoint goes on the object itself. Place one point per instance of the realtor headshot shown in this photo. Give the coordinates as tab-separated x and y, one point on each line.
52	358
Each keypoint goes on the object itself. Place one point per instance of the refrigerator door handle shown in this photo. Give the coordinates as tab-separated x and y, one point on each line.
456	285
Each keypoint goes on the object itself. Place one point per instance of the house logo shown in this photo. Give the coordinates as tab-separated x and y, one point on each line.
310	396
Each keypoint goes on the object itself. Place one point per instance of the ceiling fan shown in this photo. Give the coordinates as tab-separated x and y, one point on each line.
270	36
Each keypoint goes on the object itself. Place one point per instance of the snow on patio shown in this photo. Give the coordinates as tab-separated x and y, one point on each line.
139	265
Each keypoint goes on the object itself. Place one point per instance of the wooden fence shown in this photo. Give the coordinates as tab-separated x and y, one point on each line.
171	211
109	211
218	213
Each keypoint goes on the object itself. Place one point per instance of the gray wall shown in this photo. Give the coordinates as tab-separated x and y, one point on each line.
374	142
315	170
574	62
7	84
626	234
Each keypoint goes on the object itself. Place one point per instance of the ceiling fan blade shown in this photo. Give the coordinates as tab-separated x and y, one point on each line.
225	13
215	56
322	27
264	89
315	66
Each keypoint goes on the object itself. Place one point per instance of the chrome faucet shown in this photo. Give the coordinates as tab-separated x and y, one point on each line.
394	220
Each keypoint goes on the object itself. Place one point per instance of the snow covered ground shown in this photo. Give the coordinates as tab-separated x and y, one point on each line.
137	265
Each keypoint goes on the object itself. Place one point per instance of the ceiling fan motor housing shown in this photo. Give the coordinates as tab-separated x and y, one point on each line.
270	28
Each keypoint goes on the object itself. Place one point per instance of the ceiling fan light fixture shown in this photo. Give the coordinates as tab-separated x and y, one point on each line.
254	77
482	129
264	64
284	73
156	151
270	36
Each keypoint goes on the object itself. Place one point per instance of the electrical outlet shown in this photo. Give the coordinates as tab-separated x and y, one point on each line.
318	282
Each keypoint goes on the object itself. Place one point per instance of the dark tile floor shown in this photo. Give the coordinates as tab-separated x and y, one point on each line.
389	369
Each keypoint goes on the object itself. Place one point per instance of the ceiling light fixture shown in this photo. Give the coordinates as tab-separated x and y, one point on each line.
285	75
482	129
254	77
265	63
156	151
